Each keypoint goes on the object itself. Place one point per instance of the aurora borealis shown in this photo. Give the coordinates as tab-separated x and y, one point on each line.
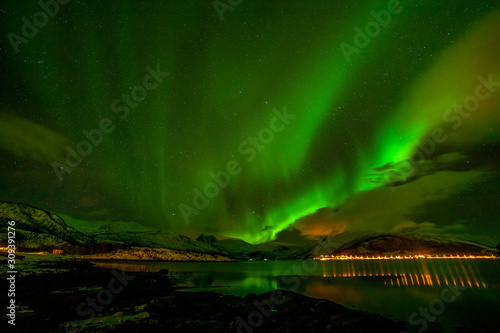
353	121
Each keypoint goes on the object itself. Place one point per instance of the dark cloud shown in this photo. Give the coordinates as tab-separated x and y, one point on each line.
391	209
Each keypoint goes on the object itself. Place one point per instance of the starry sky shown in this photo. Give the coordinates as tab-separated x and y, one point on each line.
257	119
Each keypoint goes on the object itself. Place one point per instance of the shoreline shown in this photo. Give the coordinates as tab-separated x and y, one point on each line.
48	301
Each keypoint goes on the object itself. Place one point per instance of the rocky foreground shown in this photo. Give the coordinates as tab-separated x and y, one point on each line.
74	296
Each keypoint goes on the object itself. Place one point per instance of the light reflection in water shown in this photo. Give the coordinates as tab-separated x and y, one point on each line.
128	267
408	273
261	277
394	288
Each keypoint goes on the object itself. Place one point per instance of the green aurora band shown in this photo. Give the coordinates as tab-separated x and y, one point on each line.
352	118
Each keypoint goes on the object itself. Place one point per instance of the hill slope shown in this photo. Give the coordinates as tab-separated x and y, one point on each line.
37	229
412	243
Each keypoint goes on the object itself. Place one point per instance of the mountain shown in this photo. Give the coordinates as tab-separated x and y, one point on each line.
409	243
132	234
207	239
281	249
40	230
348	236
37	229
321	246
240	249
236	246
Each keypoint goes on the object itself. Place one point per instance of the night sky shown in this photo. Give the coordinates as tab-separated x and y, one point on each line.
282	115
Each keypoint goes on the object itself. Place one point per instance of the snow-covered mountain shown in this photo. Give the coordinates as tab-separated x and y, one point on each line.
134	234
37	229
407	243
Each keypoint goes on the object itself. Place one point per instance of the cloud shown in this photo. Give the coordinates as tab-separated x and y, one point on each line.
397	174
322	222
412	226
429	227
383	209
26	139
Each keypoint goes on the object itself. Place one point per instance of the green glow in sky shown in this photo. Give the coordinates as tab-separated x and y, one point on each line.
223	83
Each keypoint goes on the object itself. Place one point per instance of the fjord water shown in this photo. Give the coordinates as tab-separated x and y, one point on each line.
454	292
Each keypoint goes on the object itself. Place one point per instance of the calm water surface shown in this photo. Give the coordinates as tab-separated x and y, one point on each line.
393	288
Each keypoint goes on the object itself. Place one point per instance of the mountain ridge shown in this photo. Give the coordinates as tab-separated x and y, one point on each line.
40	230
408	243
